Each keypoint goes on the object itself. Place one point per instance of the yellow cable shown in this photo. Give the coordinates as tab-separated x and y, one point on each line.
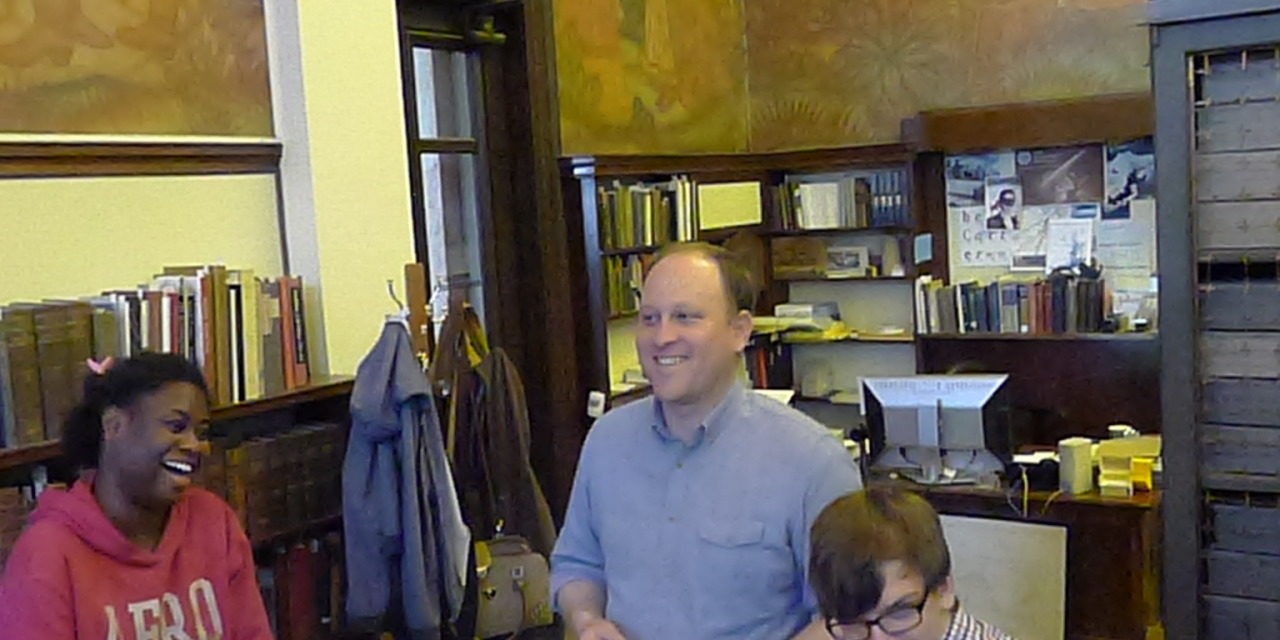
1048	501
1026	494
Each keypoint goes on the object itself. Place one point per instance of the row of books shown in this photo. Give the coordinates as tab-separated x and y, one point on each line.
280	483
856	199
623	278
14	507
246	333
647	214
1058	304
302	587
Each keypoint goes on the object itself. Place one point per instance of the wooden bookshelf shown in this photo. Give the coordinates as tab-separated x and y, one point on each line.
325	387
581	176
322	388
841	231
306	529
1037	336
894	339
29	454
849	279
629	251
823	399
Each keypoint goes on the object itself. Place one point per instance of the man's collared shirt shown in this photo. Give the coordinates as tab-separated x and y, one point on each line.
966	627
708	540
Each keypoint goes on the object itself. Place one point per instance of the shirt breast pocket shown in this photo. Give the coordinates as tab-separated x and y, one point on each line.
745	570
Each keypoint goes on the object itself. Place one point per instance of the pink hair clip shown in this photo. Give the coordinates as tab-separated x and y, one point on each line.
100	368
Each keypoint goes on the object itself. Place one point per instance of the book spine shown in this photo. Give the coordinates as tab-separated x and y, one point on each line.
222	333
236	472
288	344
53	351
302	361
236	332
24	369
79	317
8	417
251	334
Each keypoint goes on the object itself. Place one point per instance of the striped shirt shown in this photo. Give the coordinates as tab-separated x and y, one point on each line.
966	627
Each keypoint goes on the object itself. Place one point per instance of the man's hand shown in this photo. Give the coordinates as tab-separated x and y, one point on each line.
582	603
600	629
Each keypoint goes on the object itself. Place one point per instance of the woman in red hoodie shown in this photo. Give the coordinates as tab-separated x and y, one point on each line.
132	551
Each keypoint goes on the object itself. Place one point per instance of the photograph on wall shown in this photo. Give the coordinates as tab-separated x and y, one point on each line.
967	176
1131	175
1086	211
1061	175
1031	242
1004	203
973	244
847	261
1069	243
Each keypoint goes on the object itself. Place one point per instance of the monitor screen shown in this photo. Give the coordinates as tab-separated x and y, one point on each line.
936	420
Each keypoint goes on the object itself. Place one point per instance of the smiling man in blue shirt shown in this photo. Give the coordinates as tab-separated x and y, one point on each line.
690	513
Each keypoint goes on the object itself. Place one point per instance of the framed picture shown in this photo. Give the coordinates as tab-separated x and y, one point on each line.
847	262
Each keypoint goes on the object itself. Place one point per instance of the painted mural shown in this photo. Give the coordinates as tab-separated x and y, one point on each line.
834	72
826	72
640	76
119	67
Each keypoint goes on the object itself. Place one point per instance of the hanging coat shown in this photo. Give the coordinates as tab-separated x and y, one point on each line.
404	530
492	454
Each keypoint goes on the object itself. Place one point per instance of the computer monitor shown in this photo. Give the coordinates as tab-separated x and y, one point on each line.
938	429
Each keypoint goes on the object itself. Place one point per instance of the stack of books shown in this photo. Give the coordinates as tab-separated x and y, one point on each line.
301	586
247	334
647	214
623	278
1058	304
14	507
281	482
850	200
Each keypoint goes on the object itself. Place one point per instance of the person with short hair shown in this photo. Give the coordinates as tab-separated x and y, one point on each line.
880	567
690	512
132	549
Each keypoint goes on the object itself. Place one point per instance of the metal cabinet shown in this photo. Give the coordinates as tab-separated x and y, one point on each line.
1216	69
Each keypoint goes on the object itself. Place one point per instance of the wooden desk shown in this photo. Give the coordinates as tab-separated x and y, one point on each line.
1113	554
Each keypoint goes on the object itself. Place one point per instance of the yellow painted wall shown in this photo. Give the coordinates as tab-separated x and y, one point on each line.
79	236
355	119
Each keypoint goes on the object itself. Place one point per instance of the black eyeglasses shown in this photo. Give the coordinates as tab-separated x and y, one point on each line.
893	623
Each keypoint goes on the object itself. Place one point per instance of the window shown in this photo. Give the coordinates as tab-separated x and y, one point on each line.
448	169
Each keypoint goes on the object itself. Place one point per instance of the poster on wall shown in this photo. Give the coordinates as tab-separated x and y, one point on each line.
967	176
1069	243
1131	173
1061	175
1004	204
976	245
1031	243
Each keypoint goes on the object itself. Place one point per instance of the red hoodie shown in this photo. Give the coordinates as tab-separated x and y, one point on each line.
74	576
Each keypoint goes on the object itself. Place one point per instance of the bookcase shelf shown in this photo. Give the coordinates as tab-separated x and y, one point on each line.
783	233
591	180
1063	337
322	388
849	279
325	387
903	339
629	251
317	526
